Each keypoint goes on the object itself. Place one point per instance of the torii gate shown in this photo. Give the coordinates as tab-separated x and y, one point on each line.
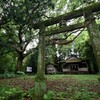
94	33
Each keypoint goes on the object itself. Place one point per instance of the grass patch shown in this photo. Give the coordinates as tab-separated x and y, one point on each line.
77	77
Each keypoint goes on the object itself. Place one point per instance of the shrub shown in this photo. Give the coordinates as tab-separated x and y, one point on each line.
99	78
9	93
8	75
49	95
30	93
84	94
20	73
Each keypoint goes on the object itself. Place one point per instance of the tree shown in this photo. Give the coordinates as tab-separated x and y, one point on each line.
7	62
84	46
93	29
23	14
4	12
7	56
31	60
19	30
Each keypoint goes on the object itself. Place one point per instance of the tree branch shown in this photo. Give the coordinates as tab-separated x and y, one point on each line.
29	52
24	47
65	42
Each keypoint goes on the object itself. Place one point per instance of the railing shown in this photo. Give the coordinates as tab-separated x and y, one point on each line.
83	70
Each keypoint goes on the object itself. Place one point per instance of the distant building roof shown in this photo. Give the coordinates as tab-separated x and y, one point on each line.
72	59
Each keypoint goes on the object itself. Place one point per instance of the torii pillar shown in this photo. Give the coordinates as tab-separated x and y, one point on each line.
40	80
94	33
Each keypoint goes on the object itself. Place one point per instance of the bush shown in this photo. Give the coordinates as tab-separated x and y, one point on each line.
9	93
30	92
99	78
84	94
20	73
8	75
49	95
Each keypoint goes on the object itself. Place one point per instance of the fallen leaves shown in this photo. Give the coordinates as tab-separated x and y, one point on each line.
67	84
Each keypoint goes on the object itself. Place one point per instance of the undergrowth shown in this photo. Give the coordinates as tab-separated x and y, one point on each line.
9	93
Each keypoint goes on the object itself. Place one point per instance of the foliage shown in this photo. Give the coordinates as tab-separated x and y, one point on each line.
7	62
20	73
31	60
99	78
50	54
18	32
49	95
84	94
84	46
60	86
8	75
30	93
9	93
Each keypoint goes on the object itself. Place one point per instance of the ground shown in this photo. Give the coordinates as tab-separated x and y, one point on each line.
64	86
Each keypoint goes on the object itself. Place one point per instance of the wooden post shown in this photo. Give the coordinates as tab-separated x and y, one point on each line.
94	33
40	80
41	53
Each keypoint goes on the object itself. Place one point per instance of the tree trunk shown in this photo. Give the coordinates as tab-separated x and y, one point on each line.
19	62
40	80
94	33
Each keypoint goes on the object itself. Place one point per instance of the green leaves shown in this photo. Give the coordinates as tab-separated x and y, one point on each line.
49	95
84	94
8	93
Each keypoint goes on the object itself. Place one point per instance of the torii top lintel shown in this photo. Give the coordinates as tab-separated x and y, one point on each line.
74	14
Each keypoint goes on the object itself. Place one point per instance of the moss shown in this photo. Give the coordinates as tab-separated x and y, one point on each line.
40	77
73	14
40	88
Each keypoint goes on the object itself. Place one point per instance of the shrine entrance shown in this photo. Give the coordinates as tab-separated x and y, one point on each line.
74	65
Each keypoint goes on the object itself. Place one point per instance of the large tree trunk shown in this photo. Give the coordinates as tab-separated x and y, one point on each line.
40	80
19	62
94	33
